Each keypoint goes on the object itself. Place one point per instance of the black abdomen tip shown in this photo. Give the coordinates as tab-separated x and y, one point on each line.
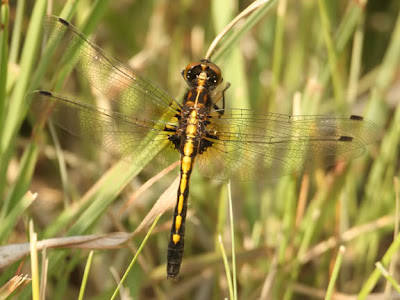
172	277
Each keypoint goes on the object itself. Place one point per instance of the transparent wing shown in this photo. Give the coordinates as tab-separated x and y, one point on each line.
246	144
132	94
133	139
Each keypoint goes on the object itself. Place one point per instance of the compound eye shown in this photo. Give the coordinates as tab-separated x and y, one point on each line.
190	71
214	79
216	73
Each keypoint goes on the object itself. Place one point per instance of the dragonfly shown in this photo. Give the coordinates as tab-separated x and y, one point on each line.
223	143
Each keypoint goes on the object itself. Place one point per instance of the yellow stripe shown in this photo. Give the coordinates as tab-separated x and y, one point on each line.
186	164
188	148
193	120
183	183
178	222
191	130
197	97
180	203
176	238
170	126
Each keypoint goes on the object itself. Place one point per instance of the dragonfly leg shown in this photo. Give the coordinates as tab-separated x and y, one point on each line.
215	106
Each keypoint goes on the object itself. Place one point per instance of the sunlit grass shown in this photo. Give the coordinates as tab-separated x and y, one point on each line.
287	232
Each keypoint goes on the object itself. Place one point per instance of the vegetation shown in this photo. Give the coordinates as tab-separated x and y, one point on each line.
322	234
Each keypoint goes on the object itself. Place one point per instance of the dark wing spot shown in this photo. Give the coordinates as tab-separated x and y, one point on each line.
46	93
64	22
356	118
345	138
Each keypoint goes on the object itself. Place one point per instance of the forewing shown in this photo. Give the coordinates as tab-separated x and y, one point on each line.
133	139
246	144
132	94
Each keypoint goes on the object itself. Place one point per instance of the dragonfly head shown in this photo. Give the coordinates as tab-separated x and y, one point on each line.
204	73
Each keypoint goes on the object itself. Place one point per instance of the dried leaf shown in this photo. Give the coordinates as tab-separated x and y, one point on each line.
13	284
165	202
14	252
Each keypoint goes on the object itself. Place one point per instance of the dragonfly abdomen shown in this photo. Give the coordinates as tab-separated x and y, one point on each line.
189	150
177	237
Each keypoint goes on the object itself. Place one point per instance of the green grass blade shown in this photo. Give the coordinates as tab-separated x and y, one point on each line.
335	273
34	262
233	37
278	46
4	20
332	56
232	224
8	223
374	277
227	268
17	110
23	180
133	261
388	277
17	30
85	276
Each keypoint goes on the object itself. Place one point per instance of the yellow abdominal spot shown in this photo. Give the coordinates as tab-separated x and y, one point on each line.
180	203
176	238
188	148
183	183
186	164
178	222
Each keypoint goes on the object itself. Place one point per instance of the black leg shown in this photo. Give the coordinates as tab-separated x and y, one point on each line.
215	106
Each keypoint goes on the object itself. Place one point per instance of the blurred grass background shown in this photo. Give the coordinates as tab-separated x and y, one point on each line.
338	57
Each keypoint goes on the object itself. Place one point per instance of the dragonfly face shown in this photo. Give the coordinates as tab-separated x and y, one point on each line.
224	143
204	70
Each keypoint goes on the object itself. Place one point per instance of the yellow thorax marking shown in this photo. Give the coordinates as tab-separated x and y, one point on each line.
191	129
200	87
193	117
